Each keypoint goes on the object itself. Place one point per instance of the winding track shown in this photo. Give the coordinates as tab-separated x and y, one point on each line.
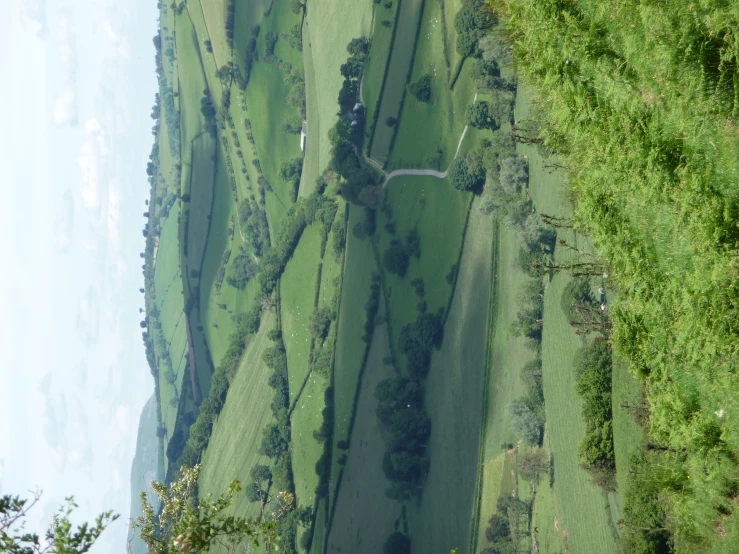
418	172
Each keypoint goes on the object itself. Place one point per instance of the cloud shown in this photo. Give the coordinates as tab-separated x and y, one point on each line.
92	162
79	374
64	222
88	316
34	12
65	105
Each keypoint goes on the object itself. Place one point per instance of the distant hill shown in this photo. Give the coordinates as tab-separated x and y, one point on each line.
145	467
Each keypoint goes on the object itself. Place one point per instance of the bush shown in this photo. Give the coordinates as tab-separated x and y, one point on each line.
270	40
528	423
461	178
395	260
421	89
479	116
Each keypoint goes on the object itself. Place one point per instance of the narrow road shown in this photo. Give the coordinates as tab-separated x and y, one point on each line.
416	172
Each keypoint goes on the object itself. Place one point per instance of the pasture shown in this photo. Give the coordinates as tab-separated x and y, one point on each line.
379	55
362	516
306	450
400	62
297	299
492	473
332	24
429	133
200	203
437	212
214	15
233	446
359	264
311	156
443	518
191	85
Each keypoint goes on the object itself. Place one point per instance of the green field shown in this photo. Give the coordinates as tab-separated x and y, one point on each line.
425	127
492	473
200	204
438	212
379	55
331	29
297	298
214	14
454	401
232	450
363	516
359	264
397	74
306	418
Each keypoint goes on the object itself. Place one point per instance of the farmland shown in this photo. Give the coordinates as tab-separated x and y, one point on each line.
375	340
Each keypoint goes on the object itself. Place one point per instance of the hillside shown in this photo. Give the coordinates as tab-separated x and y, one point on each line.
146	468
449	279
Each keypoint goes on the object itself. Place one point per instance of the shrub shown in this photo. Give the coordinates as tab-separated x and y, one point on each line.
461	178
395	260
421	88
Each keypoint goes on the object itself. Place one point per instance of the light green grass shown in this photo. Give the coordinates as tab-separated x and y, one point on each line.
266	98
379	55
363	516
443	519
297	298
582	503
492	475
546	517
233	446
359	264
280	19
424	127
311	156
167	271
319	532
191	85
400	63
451	8
628	437
438	212
331	269
332	25
306	418
214	14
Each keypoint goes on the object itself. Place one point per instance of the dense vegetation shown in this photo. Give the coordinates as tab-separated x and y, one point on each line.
640	102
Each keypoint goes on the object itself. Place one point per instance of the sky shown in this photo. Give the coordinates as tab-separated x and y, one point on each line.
78	87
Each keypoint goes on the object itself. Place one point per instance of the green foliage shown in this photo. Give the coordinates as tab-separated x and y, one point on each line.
417	339
479	116
397	543
462	178
395	259
320	320
421	88
527	421
60	538
471	22
575	296
514	174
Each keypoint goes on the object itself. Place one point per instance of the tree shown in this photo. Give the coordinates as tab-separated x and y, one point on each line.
527	423
397	543
194	525
60	538
531	462
296	6
498	527
460	176
320	320
421	89
358	47
260	473
471	22
395	260
391	121
478	115
514	174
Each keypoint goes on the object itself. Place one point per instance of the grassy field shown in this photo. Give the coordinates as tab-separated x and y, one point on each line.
363	516
451	7
297	298
425	127
437	211
201	201
545	516
628	437
191	85
232	450
583	513
443	518
311	156
492	476
305	419
359	264
331	27
400	62
374	70
214	14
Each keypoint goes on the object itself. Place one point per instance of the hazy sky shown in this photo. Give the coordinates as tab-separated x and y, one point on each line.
78	86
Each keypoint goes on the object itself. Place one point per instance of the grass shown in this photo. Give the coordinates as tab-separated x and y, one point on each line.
319	532
437	211
332	24
451	7
400	62
233	446
311	157
363	516
214	14
628	437
443	518
191	84
582	503
425	127
306	418
379	55
492	476
201	202
359	264
167	271
297	298
266	98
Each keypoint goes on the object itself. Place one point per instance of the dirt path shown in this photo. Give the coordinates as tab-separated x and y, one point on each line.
417	172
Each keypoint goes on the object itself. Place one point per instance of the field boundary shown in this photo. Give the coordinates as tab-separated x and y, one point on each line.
459	259
491	326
